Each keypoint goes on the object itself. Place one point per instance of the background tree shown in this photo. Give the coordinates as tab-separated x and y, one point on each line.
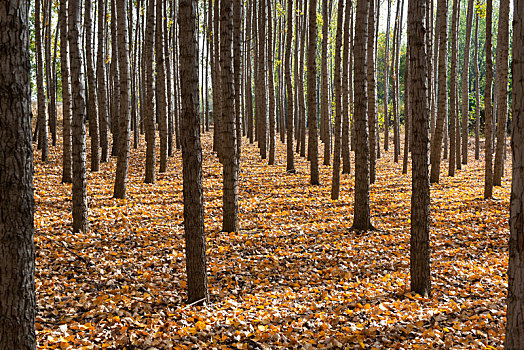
502	67
122	164
41	125
372	103
101	82
311	92
192	155
325	121
230	160
17	254
92	111
271	84
67	167
420	199
289	90
346	79
465	83
488	149
477	89
453	127
515	314
80	219
361	219
149	117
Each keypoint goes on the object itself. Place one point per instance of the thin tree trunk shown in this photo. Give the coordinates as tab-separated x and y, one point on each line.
407	110
371	93
453	98
346	160
271	86
149	117
290	158
192	157
161	86
436	136
101	82
115	78
80	211
465	84
40	92
67	167
325	106
237	10
386	80
502	87
249	90
488	167
477	89
312	93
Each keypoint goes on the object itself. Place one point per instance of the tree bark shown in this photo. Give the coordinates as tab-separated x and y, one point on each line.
149	117
488	165
271	86
420	195
502	87
290	158
371	93
436	136
192	156
101	82
515	310
361	219
465	84
80	211
161	86
453	98
40	92
477	89
346	108
17	253
325	105
66	95
312	93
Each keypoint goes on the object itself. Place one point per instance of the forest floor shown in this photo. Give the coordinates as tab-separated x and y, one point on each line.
295	276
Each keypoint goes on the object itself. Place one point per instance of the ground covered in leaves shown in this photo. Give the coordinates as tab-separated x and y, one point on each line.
293	277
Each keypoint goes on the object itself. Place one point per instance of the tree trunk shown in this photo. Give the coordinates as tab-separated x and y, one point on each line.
122	164
465	84
260	88
149	116
17	252
229	155
237	10
335	185
91	84
115	79
488	170
325	105
101	82
290	159
386	80
346	159
249	90
436	136
407	111
40	93
300	83
502	87
453	98
420	198
80	215
161	86
477	89
312	92
515	311
66	95
361	219
371	93
271	86
192	156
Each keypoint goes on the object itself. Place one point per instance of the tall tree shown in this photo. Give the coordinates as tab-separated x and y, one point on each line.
260	88
92	111
237	13
324	102
386	80
290	158
372	93
477	89
192	155
361	219
335	185
66	95
249	90
515	314
114	81
271	85
229	155
436	136
453	98
346	79
101	82
149	117
122	164
80	219
160	91
40	92
420	199
17	253
488	150
311	92
502	90
465	83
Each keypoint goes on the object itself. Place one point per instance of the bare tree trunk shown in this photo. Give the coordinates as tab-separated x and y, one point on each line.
488	175
17	252
290	158
502	87
453	98
50	78
101	82
325	106
346	160
40	92
115	79
149	117
477	89
80	211
312	93
271	86
192	156
91	84
66	95
436	136
386	79
237	10
161	86
371	93
230	160
420	197
361	219
465	84
407	110
260	89
335	185
122	165
515	316
249	90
